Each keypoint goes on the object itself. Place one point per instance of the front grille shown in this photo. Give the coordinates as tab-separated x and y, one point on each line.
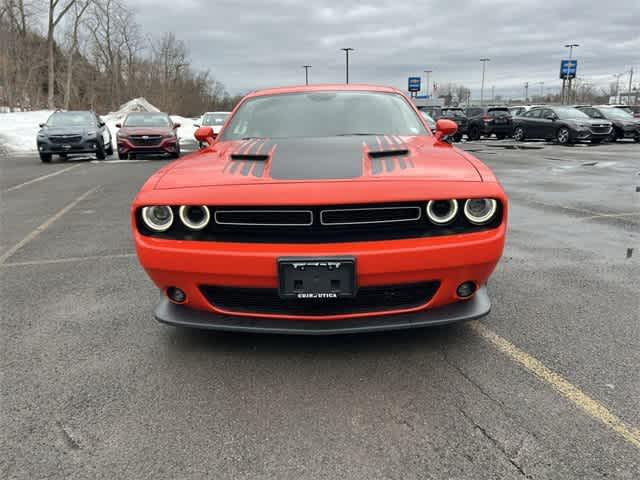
600	129
326	224
65	138
369	215
368	299
146	140
264	218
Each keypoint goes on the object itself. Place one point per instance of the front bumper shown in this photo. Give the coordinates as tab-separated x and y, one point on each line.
448	260
87	145
588	134
177	315
166	145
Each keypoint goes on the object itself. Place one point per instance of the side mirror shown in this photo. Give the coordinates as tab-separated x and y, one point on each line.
41	125
196	125
445	128
118	125
176	125
205	135
550	117
101	123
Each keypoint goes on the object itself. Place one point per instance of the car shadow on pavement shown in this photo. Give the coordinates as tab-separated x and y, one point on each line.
182	340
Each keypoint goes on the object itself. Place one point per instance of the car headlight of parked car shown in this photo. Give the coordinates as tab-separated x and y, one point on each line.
158	217
582	124
480	210
91	133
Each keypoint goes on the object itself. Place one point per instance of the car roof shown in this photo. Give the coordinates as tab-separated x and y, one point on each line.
336	87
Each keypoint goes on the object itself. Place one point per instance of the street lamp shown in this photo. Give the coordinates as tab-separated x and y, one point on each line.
306	73
428	72
347	50
484	64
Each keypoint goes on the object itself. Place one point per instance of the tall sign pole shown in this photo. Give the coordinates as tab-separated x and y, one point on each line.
569	81
306	73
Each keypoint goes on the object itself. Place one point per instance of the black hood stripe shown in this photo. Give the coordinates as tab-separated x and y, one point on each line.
246	167
376	166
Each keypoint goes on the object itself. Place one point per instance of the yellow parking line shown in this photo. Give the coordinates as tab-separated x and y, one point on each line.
560	384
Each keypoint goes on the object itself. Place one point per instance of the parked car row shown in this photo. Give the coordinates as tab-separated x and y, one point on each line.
80	132
563	124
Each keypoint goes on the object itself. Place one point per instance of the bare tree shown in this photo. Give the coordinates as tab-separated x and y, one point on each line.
57	11
79	9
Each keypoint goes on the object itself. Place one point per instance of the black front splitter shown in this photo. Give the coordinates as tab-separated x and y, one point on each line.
477	306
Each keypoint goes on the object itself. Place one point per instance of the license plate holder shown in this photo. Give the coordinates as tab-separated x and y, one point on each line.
316	278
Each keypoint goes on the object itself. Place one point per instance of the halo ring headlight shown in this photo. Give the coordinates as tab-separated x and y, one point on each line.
442	212
186	213
158	218
480	210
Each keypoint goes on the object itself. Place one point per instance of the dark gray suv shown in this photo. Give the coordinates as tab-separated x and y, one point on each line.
71	132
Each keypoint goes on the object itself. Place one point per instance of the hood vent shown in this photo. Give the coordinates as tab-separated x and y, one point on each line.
250	156
389	153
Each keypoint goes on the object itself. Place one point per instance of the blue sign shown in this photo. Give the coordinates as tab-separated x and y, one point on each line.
422	97
414	84
568	68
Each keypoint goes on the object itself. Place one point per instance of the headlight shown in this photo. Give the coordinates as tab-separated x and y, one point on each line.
480	210
582	125
442	212
42	135
195	217
91	133
158	217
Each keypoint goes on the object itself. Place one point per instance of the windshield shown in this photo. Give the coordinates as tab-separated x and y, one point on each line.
453	112
147	120
70	119
616	113
566	113
430	121
213	119
324	114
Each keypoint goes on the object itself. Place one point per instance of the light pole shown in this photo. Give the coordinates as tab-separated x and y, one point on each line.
428	72
484	64
629	91
493	94
618	75
570	47
526	92
347	50
306	73
541	90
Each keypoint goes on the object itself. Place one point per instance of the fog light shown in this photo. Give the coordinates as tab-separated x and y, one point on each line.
466	289
176	295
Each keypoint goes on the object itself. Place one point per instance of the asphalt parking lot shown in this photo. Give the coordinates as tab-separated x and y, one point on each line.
546	387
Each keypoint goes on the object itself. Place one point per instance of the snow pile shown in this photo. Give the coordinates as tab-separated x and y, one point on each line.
18	130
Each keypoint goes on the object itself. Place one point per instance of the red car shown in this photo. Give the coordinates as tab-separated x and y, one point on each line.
147	133
322	209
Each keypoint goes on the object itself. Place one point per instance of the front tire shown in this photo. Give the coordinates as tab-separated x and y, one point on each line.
474	133
596	140
123	156
100	153
109	149
45	157
637	138
518	134
563	136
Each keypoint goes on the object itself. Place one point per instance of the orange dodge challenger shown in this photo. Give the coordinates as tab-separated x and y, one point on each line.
322	209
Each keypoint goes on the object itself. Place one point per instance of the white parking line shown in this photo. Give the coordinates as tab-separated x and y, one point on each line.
43	177
44	226
67	260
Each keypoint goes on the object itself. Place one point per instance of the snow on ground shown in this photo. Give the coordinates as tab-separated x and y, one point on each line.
18	130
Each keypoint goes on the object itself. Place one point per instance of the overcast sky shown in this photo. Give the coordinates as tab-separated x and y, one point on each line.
249	44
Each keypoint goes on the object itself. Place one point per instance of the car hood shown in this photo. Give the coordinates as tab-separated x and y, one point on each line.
73	130
353	158
145	131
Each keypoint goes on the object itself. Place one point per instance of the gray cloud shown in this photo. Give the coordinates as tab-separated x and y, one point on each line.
254	44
